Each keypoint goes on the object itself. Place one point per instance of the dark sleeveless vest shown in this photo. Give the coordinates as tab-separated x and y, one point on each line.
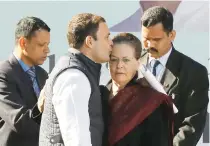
50	134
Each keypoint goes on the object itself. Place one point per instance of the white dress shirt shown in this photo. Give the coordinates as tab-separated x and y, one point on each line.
161	67
71	93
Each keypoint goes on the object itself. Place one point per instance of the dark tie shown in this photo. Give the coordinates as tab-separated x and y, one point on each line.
155	67
32	75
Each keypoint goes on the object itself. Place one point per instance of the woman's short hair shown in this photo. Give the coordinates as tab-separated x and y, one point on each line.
129	39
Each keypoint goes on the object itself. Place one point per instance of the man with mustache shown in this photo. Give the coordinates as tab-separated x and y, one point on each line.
21	80
183	78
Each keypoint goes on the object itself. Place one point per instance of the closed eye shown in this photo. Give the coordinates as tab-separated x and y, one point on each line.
113	59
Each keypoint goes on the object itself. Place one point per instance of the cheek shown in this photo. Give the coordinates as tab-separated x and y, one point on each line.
130	73
132	70
163	45
112	70
32	52
37	53
106	44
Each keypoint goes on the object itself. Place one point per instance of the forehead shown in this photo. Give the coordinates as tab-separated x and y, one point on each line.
123	50
103	29
155	31
41	36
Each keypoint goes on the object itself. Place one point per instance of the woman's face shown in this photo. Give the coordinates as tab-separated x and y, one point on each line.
123	64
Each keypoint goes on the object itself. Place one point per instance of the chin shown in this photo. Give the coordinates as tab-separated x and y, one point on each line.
40	63
104	60
120	79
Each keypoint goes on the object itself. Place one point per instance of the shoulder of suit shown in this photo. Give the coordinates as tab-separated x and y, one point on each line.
5	67
188	62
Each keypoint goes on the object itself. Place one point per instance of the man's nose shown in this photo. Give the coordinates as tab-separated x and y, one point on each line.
150	44
47	50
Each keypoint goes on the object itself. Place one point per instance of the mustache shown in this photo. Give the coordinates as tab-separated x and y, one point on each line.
151	50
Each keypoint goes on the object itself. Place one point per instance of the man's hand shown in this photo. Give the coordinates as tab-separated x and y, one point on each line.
41	100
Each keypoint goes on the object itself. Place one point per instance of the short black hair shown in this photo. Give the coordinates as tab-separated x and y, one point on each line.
81	26
129	39
28	25
158	14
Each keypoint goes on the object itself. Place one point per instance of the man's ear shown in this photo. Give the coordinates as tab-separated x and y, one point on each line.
22	41
172	35
89	41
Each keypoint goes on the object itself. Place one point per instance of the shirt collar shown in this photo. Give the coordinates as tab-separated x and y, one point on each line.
163	59
24	66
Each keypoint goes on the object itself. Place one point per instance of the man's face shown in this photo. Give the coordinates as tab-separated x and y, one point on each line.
157	40
36	48
102	46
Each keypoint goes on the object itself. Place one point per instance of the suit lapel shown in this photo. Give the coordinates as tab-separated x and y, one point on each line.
170	78
40	78
22	78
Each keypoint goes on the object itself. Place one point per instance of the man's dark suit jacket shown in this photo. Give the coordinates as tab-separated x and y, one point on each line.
19	126
187	82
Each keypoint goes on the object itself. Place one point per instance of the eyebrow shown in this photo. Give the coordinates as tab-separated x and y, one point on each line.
44	43
152	38
157	39
118	57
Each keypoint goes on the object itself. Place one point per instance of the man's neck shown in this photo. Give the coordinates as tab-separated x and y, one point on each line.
88	54
22	57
